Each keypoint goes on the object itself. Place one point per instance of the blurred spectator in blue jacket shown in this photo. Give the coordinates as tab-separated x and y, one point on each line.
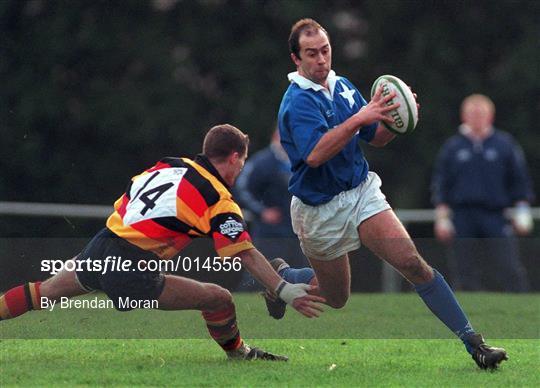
480	172
262	189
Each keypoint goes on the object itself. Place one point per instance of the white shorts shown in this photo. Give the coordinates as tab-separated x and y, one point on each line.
330	230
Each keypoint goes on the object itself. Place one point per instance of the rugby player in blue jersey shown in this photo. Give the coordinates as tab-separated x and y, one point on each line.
337	202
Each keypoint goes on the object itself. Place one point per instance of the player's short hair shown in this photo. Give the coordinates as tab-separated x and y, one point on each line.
222	140
303	26
478	99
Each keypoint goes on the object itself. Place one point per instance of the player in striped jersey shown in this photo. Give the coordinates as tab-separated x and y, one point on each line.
162	210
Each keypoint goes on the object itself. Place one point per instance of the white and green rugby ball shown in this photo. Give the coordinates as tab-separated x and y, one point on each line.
406	116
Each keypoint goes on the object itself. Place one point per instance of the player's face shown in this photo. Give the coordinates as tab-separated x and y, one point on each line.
478	116
315	59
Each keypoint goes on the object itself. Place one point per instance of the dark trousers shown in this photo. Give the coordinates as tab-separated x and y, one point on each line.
485	246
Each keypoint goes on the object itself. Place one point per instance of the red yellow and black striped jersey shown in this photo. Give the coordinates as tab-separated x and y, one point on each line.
177	200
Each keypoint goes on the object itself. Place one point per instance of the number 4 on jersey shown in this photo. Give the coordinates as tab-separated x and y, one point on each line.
151	196
155	195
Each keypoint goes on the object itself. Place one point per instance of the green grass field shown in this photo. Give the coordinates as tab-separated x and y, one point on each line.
377	340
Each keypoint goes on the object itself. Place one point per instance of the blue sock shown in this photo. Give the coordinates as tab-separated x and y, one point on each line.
297	275
440	299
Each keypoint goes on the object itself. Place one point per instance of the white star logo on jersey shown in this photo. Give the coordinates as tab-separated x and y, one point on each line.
348	94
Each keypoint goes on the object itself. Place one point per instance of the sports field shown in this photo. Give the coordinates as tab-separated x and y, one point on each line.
377	340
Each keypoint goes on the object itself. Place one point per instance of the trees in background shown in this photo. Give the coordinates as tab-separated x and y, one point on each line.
91	92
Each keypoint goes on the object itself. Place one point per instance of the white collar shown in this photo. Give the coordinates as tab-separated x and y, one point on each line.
467	131
305	83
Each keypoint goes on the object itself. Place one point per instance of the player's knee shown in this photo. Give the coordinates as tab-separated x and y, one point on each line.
337	301
224	296
218	296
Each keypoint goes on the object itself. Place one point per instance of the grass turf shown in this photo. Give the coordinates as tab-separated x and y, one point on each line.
343	348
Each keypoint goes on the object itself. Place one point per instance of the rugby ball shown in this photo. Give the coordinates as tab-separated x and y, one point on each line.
406	116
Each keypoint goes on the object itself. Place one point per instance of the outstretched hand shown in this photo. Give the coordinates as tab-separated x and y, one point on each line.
309	305
378	108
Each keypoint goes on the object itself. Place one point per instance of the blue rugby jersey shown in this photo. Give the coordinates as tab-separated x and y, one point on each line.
307	112
491	174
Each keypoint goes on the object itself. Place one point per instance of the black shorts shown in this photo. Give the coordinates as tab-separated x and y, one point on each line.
120	285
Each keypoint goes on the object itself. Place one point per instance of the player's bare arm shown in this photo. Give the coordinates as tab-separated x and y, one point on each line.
336	139
259	267
382	136
294	294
